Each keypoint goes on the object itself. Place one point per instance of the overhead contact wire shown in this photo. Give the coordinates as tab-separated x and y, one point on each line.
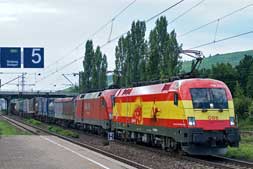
95	33
92	35
215	20
187	11
148	20
221	40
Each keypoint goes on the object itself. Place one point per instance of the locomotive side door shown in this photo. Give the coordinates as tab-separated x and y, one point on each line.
103	112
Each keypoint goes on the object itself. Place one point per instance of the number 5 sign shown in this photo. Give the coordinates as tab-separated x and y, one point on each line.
33	57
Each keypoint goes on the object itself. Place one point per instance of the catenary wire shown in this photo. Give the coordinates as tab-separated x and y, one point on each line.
148	20
95	33
185	12
215	20
221	40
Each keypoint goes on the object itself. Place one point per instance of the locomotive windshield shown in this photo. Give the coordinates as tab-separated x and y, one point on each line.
209	98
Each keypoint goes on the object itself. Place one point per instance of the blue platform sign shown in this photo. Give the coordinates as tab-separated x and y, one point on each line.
33	57
10	57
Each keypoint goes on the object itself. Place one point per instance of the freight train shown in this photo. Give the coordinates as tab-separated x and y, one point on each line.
195	116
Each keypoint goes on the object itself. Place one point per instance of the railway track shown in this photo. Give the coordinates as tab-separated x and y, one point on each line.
210	161
236	162
220	162
38	131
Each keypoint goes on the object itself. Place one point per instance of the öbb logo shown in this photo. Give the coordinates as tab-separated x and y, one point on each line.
212	117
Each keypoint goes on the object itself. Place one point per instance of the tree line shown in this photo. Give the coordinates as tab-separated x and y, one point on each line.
95	66
136	59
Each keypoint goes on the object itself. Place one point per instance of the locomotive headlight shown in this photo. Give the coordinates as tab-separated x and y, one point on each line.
191	121
232	121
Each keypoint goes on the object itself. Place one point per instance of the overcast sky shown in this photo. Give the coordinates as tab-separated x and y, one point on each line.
60	26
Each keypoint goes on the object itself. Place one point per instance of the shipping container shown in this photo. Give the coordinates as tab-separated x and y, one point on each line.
64	108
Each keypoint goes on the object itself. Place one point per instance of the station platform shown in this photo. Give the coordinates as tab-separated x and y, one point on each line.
50	152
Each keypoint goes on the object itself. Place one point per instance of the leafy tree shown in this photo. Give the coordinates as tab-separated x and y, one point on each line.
163	58
138	51
249	86
153	58
158	41
174	49
102	73
204	73
131	56
127	68
96	69
251	109
87	65
238	90
81	82
241	103
226	73
243	70
119	62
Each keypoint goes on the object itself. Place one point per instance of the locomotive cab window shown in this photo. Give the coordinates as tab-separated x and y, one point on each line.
176	99
209	98
103	103
113	100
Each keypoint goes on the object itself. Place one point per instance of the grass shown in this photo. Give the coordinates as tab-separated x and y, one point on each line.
33	122
63	132
246	124
54	129
6	129
245	150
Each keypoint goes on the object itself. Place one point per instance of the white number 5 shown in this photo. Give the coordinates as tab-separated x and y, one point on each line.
36	56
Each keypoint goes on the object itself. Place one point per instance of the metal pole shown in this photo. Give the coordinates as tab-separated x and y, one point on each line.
23	82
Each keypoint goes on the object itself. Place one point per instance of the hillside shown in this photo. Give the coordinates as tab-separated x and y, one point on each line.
232	58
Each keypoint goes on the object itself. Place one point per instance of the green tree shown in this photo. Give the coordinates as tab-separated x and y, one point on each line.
87	65
119	62
103	73
249	86
173	56
130	56
251	109
163	58
96	69
81	81
238	90
243	70
138	60
127	69
138	51
241	102
203	73
226	73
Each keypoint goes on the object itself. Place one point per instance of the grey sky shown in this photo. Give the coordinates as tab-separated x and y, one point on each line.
60	25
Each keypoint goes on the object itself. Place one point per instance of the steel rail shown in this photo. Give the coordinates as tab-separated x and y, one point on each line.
236	162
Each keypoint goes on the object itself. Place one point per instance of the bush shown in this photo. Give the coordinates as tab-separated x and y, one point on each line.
242	106
33	122
246	124
63	132
245	151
